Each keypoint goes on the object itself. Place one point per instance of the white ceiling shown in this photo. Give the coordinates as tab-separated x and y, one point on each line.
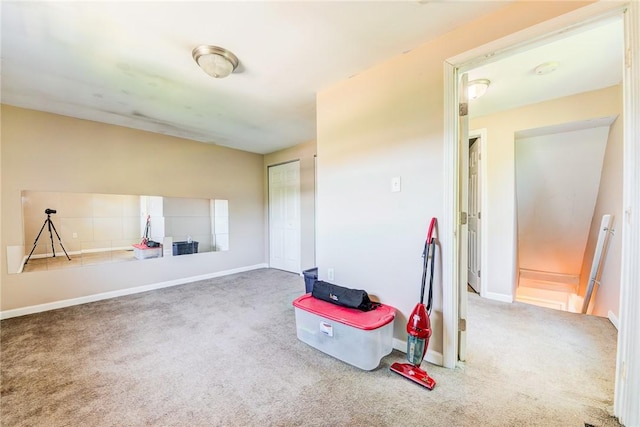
588	58
129	63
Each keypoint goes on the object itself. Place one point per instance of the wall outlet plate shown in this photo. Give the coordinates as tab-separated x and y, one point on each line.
396	184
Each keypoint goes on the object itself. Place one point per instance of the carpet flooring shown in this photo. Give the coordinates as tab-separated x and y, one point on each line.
224	352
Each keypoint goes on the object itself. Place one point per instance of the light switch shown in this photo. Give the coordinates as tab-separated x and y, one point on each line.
396	184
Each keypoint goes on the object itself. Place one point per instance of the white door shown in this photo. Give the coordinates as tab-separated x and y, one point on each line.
284	216
473	260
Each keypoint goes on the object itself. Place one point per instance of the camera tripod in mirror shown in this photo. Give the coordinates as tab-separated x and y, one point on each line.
49	224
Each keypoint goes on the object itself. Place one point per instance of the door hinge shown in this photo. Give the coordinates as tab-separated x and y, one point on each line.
463	218
463	109
478	274
462	325
479	215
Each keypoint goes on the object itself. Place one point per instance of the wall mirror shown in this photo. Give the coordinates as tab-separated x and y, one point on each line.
64	230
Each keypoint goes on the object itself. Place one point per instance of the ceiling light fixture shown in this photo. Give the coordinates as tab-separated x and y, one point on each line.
546	68
215	61
477	88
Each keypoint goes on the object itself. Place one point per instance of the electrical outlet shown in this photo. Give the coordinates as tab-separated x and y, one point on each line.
330	274
75	235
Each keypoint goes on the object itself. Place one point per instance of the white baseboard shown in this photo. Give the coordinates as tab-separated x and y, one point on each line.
613	319
498	297
7	314
433	357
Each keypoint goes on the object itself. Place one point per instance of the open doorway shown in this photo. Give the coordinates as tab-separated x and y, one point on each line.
562	192
626	387
531	197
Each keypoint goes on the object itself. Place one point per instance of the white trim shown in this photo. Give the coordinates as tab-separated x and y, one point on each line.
627	389
23	311
613	319
535	35
433	357
449	237
499	297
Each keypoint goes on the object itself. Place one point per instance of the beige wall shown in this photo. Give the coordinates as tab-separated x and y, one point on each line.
388	122
306	154
557	180
499	214
607	295
46	152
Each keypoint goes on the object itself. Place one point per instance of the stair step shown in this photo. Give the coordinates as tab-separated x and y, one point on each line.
543	297
548	285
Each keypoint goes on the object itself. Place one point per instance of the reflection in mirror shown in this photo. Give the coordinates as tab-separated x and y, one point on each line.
63	230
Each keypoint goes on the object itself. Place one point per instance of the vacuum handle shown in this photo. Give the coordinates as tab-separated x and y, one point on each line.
429	247
432	225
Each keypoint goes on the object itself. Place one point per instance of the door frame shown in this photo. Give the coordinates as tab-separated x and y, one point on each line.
626	405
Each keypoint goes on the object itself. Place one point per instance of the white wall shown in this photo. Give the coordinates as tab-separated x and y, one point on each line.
607	295
557	181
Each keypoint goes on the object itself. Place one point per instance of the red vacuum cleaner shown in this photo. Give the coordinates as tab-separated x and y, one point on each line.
419	324
145	237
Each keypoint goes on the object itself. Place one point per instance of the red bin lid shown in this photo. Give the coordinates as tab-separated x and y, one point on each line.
365	320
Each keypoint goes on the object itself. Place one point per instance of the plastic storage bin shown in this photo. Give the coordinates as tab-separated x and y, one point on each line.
183	248
144	252
310	278
360	338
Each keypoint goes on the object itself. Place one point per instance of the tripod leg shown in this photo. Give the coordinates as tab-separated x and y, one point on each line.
59	240
35	242
53	247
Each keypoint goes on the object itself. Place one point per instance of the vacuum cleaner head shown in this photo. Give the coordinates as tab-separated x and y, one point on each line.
414	374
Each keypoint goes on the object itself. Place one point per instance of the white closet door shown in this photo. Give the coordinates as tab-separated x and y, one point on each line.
284	216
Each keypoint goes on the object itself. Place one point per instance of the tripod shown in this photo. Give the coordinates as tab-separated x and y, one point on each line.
50	225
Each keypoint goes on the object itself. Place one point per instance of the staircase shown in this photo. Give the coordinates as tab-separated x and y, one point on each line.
551	290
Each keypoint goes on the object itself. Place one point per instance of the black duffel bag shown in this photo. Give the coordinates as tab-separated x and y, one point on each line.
346	297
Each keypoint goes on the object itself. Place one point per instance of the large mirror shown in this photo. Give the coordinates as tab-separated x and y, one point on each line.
63	230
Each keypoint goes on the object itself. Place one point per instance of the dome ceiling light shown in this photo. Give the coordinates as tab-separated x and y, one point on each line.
477	88
215	61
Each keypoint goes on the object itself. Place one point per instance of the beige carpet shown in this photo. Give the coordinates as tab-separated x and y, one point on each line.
224	352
